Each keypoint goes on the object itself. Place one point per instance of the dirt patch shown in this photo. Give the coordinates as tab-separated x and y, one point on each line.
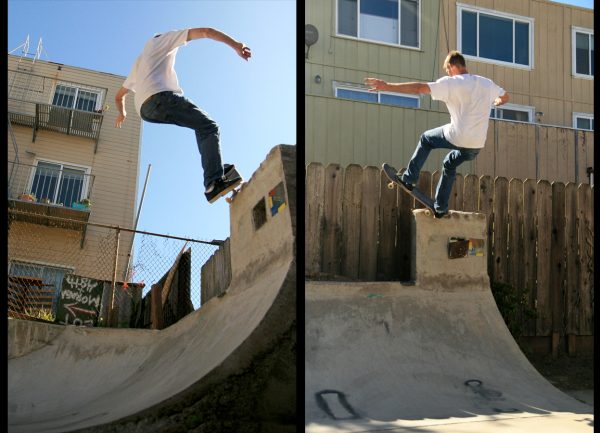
567	373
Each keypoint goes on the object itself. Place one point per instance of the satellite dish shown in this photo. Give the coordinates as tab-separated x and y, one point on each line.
311	36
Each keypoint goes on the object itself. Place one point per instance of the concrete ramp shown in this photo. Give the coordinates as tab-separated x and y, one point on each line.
63	379
433	356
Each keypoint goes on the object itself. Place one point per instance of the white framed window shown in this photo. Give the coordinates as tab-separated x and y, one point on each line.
77	97
495	37
394	22
582	41
55	182
514	112
583	121
360	93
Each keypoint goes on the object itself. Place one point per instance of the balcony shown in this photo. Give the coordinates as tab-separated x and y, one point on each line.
49	194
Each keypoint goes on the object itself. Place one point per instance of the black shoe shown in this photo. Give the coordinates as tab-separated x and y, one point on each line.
221	187
439	214
406	185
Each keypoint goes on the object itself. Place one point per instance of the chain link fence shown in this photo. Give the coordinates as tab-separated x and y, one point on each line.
71	271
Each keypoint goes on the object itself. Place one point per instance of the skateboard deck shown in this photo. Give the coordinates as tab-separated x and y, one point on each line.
418	195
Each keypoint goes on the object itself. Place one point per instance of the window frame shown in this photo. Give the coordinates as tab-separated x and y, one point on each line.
86	177
78	88
589	116
358	88
460	7
574	31
374	41
515	107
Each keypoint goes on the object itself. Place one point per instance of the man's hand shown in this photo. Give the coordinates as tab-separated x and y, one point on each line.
501	100
120	119
243	51
375	84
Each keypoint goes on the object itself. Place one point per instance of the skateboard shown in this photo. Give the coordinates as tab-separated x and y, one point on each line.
418	195
231	173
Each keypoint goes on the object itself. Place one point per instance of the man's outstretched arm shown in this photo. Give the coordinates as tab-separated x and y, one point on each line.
120	104
216	35
411	88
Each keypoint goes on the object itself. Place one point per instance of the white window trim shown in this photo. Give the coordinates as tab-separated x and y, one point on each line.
86	178
531	21
389	44
26	262
573	51
530	110
79	87
358	88
581	116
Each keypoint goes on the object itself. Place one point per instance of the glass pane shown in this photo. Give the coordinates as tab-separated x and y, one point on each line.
521	116
71	186
379	20
583	123
469	33
582	53
45	180
347	23
64	96
495	38
400	101
86	100
592	53
409	27
522	43
357	95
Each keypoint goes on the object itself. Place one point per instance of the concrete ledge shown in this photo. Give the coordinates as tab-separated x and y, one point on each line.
432	266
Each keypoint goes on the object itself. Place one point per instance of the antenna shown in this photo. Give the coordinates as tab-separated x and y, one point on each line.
311	36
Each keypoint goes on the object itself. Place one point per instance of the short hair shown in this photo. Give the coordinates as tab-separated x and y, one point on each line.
454	58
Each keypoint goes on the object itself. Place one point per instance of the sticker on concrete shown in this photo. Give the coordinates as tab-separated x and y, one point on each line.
476	247
462	247
277	199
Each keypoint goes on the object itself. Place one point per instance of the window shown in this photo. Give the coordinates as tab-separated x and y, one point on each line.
69	96
57	183
356	93
518	113
495	37
583	121
583	52
389	21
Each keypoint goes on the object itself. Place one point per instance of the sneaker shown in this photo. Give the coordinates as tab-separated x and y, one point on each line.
227	168
408	186
220	187
439	214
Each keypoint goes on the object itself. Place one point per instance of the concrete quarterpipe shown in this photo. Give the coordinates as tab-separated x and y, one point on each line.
63	379
431	356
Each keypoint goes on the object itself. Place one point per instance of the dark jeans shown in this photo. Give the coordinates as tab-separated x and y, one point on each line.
167	107
434	139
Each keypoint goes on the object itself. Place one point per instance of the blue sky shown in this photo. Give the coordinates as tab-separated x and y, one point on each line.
253	102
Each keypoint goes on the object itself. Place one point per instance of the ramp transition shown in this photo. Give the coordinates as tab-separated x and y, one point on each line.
434	356
63	379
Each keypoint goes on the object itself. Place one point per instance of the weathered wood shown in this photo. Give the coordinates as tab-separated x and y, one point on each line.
424	184
387	259
500	231
166	288
456	196
351	206
158	321
515	238
529	250
332	220
544	225
471	193
486	202
315	190
585	239
403	238
557	258
369	223
572	301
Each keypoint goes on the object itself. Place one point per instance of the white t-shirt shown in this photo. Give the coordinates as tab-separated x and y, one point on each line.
469	99
154	69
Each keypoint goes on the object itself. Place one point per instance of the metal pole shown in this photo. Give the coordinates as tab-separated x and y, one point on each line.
137	218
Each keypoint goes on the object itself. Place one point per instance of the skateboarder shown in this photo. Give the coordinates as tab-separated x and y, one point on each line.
469	99
159	99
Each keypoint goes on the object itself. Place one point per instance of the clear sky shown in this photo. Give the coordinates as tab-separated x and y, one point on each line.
253	102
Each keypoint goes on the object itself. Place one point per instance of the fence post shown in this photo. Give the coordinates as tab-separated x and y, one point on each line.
112	314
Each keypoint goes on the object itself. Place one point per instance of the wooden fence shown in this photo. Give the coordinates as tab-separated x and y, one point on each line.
216	273
540	236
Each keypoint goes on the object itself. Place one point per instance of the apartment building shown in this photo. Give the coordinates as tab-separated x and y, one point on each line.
540	51
68	166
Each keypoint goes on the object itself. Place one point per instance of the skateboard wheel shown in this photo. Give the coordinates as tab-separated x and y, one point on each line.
229	199
391	185
428	212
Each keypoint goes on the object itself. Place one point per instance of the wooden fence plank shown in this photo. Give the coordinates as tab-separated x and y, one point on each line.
500	230
544	238
456	197
471	193
351	211
332	220
404	237
572	300
387	259
585	211
315	189
557	257
529	250
486	201
369	223
515	237
424	184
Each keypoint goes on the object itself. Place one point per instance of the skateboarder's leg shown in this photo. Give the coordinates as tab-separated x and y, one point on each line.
444	187
432	139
